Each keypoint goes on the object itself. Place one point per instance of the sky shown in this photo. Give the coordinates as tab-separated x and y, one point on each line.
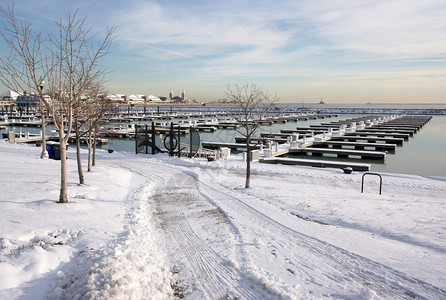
343	51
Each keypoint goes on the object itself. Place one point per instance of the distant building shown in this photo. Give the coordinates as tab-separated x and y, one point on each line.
117	98
152	98
10	95
178	99
134	99
27	101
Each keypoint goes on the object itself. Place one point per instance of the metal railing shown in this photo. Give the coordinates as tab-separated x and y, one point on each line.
380	181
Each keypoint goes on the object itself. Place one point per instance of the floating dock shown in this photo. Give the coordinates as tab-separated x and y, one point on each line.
369	139
404	136
340	152
355	145
216	145
263	140
316	163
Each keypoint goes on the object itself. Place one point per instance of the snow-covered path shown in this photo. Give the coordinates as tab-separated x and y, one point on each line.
224	242
200	240
209	261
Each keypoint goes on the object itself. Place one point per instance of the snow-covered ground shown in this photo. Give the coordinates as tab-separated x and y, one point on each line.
154	227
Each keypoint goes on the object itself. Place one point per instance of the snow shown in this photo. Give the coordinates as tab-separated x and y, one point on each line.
156	227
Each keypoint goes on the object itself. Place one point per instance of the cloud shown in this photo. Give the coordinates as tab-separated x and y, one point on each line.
264	32
285	42
199	35
428	60
381	29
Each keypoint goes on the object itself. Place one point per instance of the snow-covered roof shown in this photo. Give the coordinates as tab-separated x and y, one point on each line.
11	94
153	98
115	97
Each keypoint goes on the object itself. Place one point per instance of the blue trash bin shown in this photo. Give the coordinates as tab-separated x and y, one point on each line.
50	150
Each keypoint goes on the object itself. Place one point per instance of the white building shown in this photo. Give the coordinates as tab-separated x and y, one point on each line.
10	95
152	98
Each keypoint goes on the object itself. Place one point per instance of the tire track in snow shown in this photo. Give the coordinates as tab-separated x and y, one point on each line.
384	281
215	276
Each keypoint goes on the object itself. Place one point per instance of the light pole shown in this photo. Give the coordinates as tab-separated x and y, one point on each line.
44	153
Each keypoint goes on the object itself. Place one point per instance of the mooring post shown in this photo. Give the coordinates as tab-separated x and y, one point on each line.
146	132
153	138
179	141
190	142
171	149
136	139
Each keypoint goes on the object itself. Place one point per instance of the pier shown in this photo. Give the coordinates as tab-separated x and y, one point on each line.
369	139
261	140
339	152
217	145
316	163
355	145
404	136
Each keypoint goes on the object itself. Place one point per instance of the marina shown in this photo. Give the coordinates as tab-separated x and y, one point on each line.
366	139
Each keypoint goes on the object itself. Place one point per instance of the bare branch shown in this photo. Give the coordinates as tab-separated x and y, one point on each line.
67	60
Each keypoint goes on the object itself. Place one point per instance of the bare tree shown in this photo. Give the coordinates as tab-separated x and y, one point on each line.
252	106
68	62
89	113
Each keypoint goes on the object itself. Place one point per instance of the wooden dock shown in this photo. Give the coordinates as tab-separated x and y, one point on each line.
83	140
316	163
390	130
356	145
340	152
28	140
284	135
303	130
216	145
369	139
361	133
240	139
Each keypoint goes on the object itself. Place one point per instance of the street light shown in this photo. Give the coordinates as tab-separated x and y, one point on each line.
41	83
44	153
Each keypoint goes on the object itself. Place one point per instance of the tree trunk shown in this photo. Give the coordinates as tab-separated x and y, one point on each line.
78	155
93	163
44	153
63	198
248	161
89	140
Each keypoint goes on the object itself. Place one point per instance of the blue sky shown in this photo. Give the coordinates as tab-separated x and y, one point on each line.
342	51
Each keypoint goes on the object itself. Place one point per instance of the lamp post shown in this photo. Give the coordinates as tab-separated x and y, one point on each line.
44	153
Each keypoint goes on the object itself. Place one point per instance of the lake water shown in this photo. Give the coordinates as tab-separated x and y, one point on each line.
423	154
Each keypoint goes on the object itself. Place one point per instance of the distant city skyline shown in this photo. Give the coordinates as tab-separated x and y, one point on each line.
342	51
